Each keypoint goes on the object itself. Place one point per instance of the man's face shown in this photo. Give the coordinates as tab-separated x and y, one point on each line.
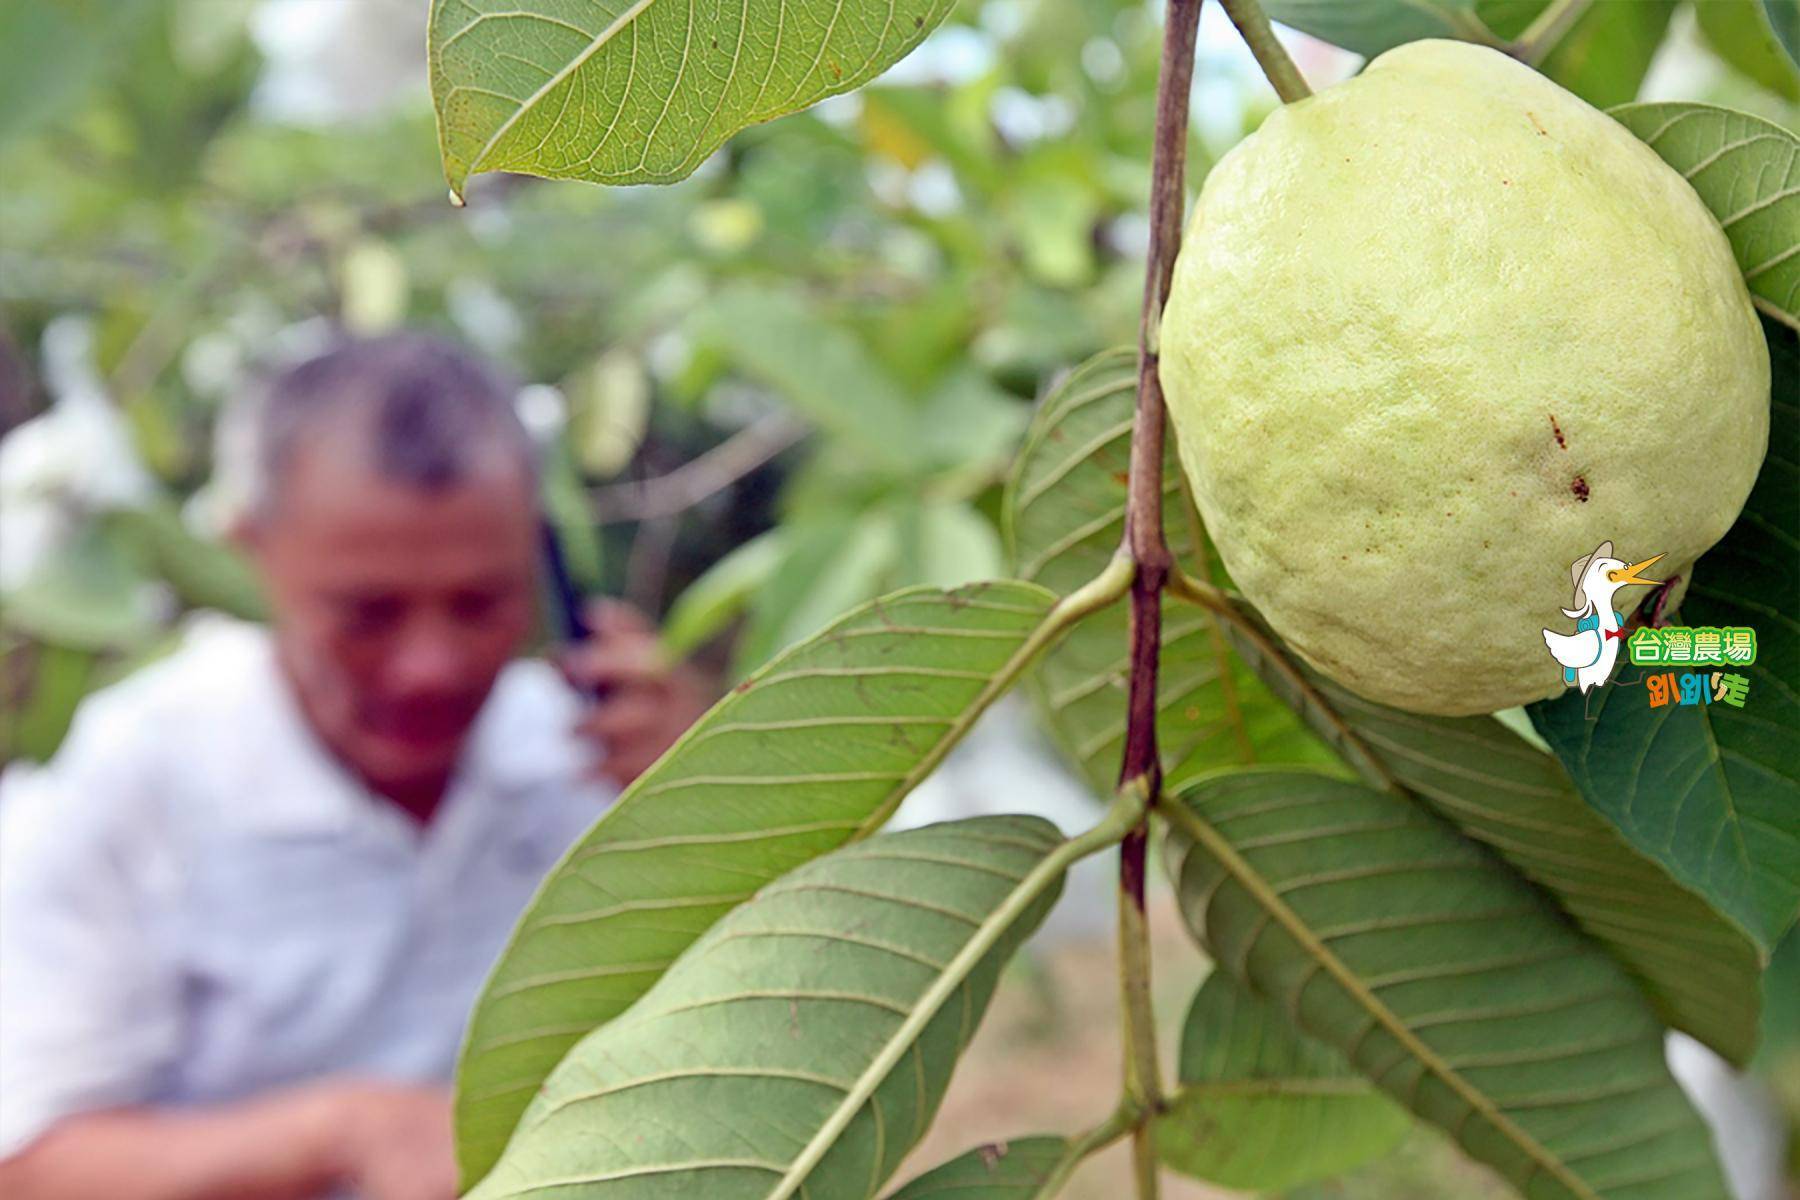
395	607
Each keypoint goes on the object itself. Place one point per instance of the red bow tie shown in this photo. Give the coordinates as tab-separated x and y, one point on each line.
1613	633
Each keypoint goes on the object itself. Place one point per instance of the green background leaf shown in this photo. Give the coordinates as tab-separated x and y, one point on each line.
1064	514
1743	33
1605	55
1710	791
1371	26
717	1081
1263	1105
1747	170
1443	977
612	92
815	749
1011	1170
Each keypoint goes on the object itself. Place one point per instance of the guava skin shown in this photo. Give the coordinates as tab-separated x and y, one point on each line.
1436	333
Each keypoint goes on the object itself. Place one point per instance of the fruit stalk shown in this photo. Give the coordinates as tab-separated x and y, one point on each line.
1253	25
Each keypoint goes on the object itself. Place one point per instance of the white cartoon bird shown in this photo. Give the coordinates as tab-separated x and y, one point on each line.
1587	655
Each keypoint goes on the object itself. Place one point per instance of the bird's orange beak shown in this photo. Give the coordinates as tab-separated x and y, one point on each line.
1630	574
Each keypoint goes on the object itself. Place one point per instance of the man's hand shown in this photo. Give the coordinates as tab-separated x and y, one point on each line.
391	1142
640	704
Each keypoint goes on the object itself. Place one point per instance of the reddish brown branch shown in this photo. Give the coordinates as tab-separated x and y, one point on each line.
1143	514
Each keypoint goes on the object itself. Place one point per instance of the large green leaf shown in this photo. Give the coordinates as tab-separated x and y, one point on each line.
1261	1104
1064	513
1698	968
1443	977
1747	171
1014	1170
642	92
816	748
1744	34
803	1044
1712	791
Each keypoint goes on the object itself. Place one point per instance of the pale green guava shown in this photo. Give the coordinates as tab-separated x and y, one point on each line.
1435	334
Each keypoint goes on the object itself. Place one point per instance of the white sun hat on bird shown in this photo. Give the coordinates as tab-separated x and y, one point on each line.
1590	653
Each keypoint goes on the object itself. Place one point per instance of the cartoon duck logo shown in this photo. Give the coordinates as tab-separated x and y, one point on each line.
1590	653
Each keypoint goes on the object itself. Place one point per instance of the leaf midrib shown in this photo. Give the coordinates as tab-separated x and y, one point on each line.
601	40
1202	832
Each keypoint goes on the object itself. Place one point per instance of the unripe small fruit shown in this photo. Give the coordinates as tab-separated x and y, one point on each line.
1435	334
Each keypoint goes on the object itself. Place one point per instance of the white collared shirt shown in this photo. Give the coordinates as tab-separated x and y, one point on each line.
197	903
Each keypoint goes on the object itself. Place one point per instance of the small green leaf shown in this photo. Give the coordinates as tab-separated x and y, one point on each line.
1369	27
1784	19
720	595
1744	34
204	574
60	677
1263	1105
87	595
814	750
1444	978
52	54
1064	514
815	366
1747	171
801	1047
1013	1170
1698	967
1709	790
612	92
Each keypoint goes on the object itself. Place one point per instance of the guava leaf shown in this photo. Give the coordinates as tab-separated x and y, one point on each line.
87	595
1743	32
614	92
815	749
1011	1170
1784	19
1605	55
721	594
816	367
1747	171
203	574
801	1047
1698	967
1369	27
1711	791
1262	1105
60	679
1443	977
1063	515
51	53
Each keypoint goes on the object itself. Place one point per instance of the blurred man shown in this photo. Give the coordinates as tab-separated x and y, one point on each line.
244	913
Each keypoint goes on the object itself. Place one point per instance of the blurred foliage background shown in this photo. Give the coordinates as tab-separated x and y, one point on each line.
787	384
775	389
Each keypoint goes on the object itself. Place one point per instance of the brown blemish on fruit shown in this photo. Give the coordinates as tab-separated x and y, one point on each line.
1579	486
1557	430
1532	117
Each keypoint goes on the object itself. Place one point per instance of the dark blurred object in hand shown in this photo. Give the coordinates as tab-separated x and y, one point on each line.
639	703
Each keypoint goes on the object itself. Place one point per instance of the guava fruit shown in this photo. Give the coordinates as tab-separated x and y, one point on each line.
1434	335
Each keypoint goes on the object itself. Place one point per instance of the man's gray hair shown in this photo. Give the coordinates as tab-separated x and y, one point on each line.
428	411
